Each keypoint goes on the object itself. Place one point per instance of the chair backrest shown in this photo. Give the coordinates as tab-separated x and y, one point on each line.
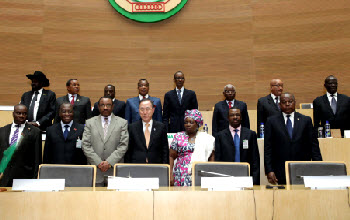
295	170
208	169
306	105
74	175
161	171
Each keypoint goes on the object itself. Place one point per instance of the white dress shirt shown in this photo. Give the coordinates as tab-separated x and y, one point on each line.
291	118
233	103
330	97
70	96
274	98
182	91
149	128
141	97
20	130
103	120
36	104
64	128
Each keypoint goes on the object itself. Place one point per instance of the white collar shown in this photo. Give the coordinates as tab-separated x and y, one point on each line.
70	124
141	97
182	89
334	95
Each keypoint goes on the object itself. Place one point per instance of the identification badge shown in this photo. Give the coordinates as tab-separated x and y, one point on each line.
245	144
78	145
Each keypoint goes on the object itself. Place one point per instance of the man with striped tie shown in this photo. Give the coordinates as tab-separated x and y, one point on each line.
20	149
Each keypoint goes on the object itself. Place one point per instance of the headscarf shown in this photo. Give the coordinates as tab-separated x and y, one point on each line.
195	115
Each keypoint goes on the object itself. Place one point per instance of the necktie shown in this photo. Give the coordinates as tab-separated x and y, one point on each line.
276	102
333	104
105	127
65	133
72	101
289	126
236	141
147	135
31	107
179	95
230	104
15	135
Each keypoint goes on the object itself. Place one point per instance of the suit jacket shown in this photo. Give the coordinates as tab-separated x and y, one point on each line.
225	150
323	112
60	151
25	161
158	149
118	110
46	111
112	148
266	108
174	113
279	147
220	116
81	108
132	109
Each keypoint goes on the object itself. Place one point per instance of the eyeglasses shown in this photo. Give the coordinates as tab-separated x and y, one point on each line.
108	105
178	78
145	109
278	85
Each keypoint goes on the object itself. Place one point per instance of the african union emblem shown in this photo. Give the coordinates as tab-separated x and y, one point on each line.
148	10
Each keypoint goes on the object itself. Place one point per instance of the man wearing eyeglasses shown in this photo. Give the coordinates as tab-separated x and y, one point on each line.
176	102
105	140
269	105
332	107
220	119
148	141
289	136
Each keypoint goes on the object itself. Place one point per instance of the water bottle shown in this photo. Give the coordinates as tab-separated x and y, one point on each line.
262	130
205	128
327	130
320	132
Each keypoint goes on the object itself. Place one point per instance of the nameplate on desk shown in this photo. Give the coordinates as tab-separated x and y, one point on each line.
226	183
327	182
38	185
347	134
132	184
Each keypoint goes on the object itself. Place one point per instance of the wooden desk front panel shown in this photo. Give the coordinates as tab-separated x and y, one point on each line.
76	205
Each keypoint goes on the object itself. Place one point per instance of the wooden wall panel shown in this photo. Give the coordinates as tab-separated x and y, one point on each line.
214	43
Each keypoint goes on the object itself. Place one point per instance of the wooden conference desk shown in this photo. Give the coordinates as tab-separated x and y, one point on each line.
177	203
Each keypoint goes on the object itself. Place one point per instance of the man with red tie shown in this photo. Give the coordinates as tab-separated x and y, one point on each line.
81	104
220	120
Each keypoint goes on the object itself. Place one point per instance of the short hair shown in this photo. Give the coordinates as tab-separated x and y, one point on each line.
65	103
138	84
110	86
234	107
288	93
69	81
145	100
330	76
105	97
229	85
178	72
14	107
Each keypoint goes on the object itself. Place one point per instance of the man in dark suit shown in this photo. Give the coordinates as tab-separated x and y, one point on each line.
119	106
132	105
39	102
269	105
20	149
148	141
220	120
63	140
176	102
289	136
238	144
81	104
332	107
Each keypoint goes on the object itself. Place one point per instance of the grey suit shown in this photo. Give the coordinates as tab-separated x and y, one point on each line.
112	148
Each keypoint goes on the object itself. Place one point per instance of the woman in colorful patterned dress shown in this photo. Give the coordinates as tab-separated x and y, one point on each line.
189	146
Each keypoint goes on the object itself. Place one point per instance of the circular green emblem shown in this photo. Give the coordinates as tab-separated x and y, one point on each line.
148	10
